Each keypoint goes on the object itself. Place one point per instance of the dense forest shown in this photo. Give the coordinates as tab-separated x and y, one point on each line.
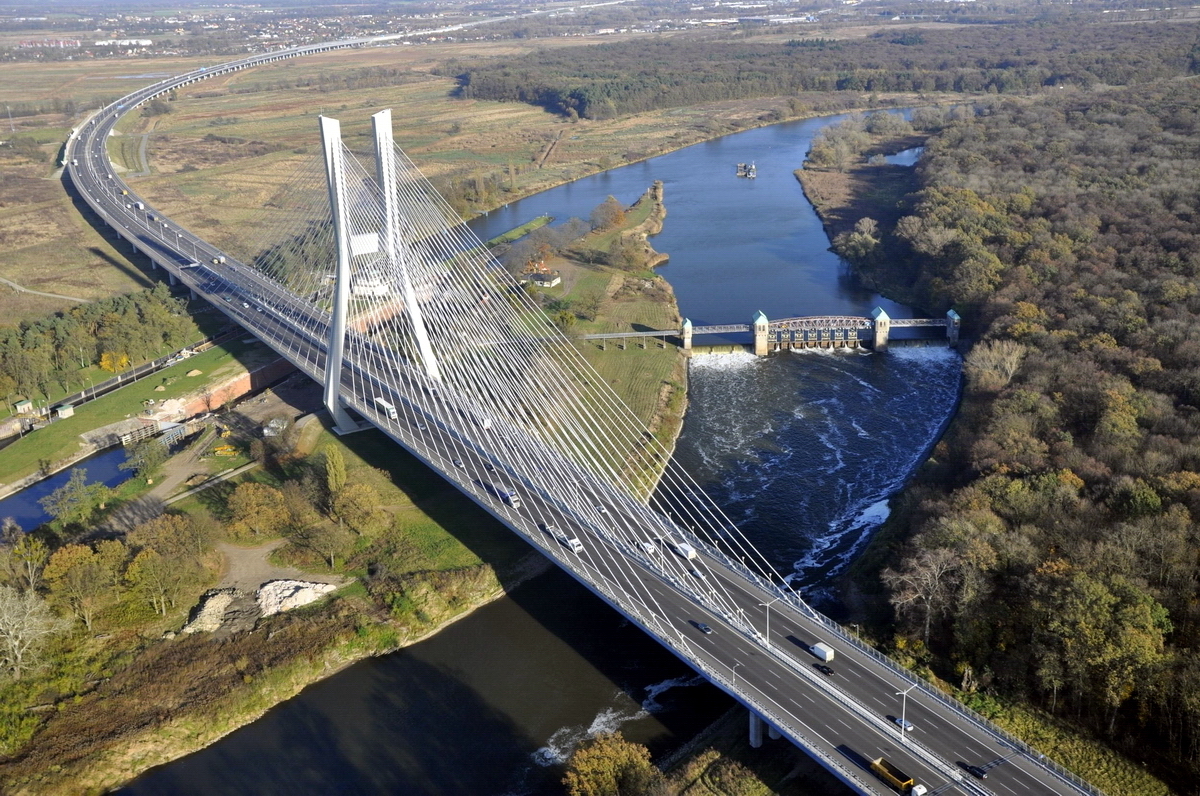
1055	537
641	75
112	334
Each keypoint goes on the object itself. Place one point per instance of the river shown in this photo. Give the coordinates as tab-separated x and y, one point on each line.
802	450
25	506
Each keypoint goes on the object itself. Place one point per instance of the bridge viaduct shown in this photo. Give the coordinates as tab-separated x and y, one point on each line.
433	399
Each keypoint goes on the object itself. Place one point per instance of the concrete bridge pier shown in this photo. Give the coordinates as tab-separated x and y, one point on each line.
756	730
685	334
773	733
761	327
883	324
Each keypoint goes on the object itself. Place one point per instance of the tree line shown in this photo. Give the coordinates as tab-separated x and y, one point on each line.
75	576
112	333
630	77
1054	539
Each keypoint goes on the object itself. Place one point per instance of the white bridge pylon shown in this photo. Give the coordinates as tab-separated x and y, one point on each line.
421	325
385	241
427	335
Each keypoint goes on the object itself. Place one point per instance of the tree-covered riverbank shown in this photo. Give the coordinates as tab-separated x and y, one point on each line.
1045	553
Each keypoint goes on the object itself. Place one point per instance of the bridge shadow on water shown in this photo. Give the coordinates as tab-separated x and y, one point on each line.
366	731
487	706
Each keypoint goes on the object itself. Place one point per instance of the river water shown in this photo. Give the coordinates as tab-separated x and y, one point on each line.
802	450
25	506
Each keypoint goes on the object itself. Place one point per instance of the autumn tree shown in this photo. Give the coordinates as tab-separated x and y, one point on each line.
171	535
257	508
335	472
991	365
328	540
358	506
608	765
111	556
157	578
114	361
146	458
77	579
862	245
608	214
300	503
924	585
22	556
75	502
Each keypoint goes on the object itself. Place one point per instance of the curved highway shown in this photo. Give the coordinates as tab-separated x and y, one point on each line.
758	649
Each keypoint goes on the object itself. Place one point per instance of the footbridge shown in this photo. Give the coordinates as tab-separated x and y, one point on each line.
378	292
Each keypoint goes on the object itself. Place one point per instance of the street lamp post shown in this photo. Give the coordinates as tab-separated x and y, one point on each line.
739	663
767	605
903	707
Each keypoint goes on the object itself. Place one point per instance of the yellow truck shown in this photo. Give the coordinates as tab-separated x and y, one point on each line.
897	778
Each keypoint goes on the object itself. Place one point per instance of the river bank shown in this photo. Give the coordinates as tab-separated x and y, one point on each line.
884	193
227	693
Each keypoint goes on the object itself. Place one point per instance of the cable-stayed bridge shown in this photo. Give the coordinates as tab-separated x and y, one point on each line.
382	295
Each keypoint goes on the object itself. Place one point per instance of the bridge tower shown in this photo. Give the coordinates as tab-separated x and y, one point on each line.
385	175
953	325
685	334
331	141
761	327
883	323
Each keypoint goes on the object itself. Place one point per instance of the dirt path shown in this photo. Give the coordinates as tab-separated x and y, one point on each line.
247	568
21	289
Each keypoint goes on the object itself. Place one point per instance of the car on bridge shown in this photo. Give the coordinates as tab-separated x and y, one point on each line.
903	724
703	628
823	669
572	543
976	771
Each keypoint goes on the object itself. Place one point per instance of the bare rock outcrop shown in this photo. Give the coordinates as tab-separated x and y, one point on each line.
211	612
284	595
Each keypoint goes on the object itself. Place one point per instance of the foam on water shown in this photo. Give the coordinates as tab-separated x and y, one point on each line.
737	360
565	740
804	452
651	705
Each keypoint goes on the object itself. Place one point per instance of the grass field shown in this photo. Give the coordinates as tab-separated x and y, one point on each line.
61	438
224	160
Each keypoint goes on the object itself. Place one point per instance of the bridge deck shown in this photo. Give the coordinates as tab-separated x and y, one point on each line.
759	652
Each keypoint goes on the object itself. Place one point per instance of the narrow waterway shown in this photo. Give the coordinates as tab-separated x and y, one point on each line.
25	506
802	450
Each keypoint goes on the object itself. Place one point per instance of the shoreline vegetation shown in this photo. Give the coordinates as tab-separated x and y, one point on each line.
222	151
845	194
232	679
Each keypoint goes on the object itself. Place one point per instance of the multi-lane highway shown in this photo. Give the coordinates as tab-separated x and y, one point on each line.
758	649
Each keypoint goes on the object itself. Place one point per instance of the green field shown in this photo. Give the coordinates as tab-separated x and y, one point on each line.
61	438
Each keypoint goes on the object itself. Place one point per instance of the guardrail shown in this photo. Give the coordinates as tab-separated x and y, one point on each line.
137	98
965	711
793	598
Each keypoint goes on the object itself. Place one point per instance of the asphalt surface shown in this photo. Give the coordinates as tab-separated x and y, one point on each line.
844	720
